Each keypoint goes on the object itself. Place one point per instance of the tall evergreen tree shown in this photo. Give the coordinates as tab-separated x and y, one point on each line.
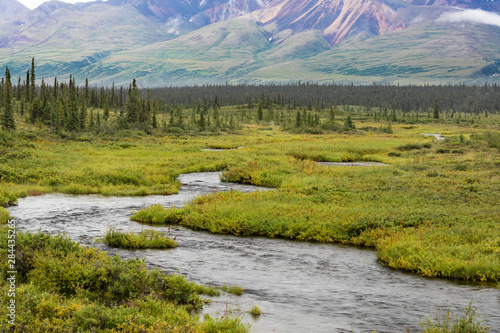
73	119
83	115
27	87
60	115
154	122
260	113
106	108
8	122
32	80
133	103
36	110
436	110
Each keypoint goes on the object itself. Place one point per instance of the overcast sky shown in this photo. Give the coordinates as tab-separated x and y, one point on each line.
32	4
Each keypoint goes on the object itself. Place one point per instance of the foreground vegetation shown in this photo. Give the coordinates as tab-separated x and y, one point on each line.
63	287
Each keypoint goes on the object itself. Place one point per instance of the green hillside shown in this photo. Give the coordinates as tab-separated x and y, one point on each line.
438	53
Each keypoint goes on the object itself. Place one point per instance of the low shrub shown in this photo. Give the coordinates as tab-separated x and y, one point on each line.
414	146
4	216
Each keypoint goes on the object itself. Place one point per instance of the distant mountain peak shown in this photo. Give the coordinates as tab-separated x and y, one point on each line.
10	10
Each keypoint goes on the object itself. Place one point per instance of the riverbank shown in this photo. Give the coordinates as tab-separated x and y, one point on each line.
432	211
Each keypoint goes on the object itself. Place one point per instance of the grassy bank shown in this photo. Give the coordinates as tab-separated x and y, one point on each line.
433	212
63	287
144	239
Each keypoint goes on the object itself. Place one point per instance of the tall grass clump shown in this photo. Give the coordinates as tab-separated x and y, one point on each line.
235	290
157	214
468	323
145	239
255	311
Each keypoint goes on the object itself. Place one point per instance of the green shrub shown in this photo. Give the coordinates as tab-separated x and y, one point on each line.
7	199
4	216
178	289
414	146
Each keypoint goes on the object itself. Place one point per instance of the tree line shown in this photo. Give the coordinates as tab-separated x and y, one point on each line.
64	106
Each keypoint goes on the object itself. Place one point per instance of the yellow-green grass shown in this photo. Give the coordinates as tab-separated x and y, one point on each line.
255	311
145	239
4	216
63	287
431	212
470	322
439	188
235	290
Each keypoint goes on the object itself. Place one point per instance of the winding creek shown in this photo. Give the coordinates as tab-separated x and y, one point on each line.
301	287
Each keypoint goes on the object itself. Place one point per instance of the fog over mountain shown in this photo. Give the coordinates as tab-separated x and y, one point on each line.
164	42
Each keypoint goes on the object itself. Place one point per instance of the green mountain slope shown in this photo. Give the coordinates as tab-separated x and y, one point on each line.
215	53
240	51
436	52
70	39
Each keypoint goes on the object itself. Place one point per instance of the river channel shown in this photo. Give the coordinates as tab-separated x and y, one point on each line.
300	287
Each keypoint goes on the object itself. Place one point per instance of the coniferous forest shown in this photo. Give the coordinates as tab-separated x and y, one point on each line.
66	107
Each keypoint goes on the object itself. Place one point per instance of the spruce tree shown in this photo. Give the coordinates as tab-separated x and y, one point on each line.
60	115
32	81
36	110
201	122
98	121
216	115
133	103
154	122
73	119
8	122
436	110
83	115
106	108
260	114
349	124
332	117
28	97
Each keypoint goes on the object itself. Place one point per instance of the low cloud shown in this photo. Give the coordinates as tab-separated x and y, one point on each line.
476	16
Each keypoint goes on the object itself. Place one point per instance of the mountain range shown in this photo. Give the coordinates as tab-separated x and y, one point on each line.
184	42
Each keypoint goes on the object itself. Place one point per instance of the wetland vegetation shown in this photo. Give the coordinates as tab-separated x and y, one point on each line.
432	211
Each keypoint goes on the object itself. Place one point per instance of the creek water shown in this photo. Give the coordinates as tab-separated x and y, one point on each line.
369	164
437	136
300	287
